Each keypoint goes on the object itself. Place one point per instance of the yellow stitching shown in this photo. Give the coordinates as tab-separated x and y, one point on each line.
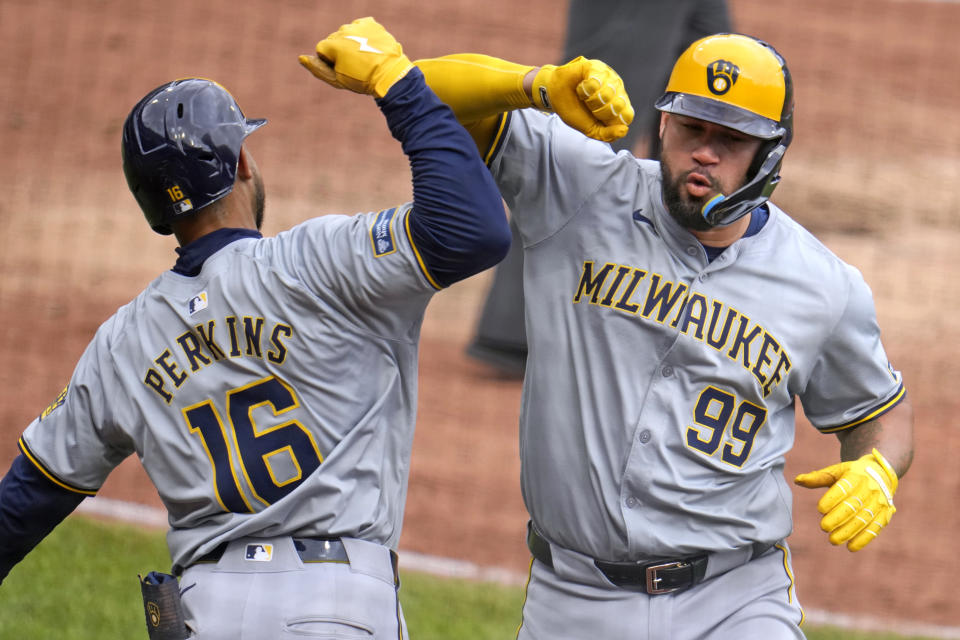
50	476
416	253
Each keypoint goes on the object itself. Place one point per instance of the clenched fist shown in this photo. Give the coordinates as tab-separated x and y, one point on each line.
360	56
588	95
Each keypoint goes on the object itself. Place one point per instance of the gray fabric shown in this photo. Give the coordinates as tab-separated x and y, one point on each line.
279	596
640	40
752	601
315	399
660	391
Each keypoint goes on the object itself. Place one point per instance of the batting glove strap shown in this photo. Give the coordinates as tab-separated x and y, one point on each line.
587	95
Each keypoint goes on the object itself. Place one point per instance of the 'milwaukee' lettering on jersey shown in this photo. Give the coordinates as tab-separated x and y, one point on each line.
198	348
722	327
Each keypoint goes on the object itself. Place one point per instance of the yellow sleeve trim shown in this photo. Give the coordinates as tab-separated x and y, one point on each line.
423	267
497	139
29	455
886	406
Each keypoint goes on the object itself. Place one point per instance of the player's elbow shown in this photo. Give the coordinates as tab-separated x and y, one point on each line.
456	242
493	238
498	239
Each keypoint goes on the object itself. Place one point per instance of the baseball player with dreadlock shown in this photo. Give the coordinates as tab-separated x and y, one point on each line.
675	316
267	385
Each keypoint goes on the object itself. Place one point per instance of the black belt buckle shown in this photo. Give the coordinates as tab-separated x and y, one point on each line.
654	580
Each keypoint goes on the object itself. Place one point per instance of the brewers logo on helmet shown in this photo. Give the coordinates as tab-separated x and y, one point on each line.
739	82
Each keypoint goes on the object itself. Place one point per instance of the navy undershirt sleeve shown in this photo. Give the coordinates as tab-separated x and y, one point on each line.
458	223
30	507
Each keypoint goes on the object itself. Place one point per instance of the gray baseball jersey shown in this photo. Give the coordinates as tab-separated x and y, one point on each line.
659	397
298	420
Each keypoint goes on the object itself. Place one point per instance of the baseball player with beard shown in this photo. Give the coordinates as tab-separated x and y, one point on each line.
267	385
675	316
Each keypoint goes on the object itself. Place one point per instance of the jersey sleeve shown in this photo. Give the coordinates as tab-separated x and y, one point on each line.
457	223
546	171
363	266
379	269
31	506
77	440
852	381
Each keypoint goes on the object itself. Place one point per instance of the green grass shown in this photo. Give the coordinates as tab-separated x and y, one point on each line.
81	584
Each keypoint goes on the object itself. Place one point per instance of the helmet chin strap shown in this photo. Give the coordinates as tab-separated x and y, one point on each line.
722	210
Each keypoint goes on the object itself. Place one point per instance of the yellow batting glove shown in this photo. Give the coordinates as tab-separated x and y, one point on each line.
588	95
361	56
859	502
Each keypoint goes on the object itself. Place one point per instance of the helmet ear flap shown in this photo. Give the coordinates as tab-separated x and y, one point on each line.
765	148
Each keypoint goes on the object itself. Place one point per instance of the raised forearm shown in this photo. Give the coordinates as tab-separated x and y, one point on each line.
476	86
587	94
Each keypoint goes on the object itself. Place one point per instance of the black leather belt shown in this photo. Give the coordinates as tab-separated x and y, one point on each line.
654	578
310	550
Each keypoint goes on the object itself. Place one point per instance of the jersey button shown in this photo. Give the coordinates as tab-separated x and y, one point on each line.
667	371
691	250
631	502
645	436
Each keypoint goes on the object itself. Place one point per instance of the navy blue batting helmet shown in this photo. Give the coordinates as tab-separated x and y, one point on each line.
181	145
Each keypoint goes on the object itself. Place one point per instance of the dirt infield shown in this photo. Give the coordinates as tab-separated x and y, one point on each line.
873	172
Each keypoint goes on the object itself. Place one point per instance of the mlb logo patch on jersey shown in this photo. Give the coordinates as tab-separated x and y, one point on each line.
197	303
381	233
259	552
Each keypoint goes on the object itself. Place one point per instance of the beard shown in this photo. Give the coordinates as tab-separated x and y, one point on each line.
682	207
259	200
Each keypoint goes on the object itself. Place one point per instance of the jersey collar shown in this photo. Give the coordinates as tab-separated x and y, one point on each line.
191	257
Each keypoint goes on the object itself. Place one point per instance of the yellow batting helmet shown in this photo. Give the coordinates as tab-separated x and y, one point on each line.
739	82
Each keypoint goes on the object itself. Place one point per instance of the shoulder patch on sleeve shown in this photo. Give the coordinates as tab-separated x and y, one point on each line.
381	233
60	399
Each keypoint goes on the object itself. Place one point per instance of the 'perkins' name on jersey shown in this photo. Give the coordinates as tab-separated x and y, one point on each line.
670	303
199	348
